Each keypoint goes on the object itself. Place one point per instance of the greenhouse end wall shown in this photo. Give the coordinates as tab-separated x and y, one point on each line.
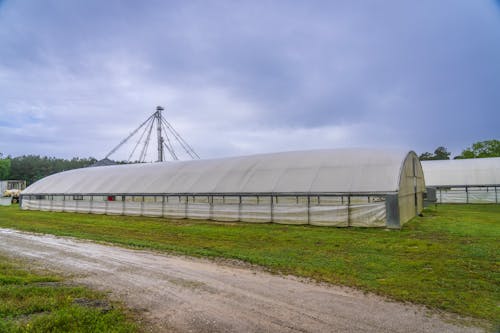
411	189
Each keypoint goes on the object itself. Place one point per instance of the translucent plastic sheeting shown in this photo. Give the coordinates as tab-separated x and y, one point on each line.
83	206
460	195
255	213
290	214
5	201
198	211
474	171
98	207
328	211
314	171
152	209
133	208
31	204
482	196
367	215
227	212
175	210
329	216
115	208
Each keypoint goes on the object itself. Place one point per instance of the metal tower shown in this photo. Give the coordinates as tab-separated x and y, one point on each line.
163	132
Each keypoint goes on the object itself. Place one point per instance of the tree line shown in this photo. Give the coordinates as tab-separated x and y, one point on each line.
34	167
488	148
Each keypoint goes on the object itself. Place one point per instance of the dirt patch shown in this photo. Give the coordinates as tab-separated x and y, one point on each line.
180	294
102	305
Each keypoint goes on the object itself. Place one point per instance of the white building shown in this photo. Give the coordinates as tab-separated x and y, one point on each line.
337	187
474	180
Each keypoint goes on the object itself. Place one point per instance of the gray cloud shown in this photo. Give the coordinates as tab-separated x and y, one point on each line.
241	77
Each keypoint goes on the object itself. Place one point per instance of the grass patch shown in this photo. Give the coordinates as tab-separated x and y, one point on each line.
41	302
448	259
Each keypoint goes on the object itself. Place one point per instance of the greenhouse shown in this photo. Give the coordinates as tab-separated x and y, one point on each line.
337	187
474	180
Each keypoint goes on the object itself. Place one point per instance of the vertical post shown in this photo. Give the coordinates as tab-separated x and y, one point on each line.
272	208
162	206
159	109
496	195
239	209
211	207
186	207
308	209
106	204
466	194
349	211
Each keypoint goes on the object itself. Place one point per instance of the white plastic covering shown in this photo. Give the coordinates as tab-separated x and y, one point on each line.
316	171
328	212
487	194
464	181
343	187
5	201
474	171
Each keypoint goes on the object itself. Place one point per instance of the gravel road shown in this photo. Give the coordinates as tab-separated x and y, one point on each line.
179	294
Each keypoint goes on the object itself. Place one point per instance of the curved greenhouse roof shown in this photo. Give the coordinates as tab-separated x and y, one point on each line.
476	171
315	171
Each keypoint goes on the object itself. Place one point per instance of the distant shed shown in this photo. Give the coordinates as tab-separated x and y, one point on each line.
336	187
474	180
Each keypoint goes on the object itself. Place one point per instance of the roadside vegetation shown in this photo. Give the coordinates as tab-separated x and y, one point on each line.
448	259
33	301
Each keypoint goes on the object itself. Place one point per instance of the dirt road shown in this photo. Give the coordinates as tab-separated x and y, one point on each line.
178	294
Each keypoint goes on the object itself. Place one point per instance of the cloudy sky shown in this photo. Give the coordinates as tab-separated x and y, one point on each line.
243	77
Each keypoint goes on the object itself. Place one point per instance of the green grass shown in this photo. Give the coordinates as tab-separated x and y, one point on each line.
448	259
42	302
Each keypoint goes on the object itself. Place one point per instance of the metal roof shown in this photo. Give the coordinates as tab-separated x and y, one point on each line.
313	171
475	171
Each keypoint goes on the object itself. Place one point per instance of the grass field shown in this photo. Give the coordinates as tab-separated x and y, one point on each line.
42	302
448	259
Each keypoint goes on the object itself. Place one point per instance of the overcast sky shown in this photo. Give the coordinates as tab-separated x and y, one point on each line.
244	77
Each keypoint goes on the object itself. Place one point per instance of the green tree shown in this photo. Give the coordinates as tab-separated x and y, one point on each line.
32	167
426	156
441	153
488	148
4	167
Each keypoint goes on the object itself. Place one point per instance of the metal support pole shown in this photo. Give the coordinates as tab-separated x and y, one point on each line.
211	207
466	194
496	195
186	207
239	209
159	109
349	211
308	209
162	206
272	208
